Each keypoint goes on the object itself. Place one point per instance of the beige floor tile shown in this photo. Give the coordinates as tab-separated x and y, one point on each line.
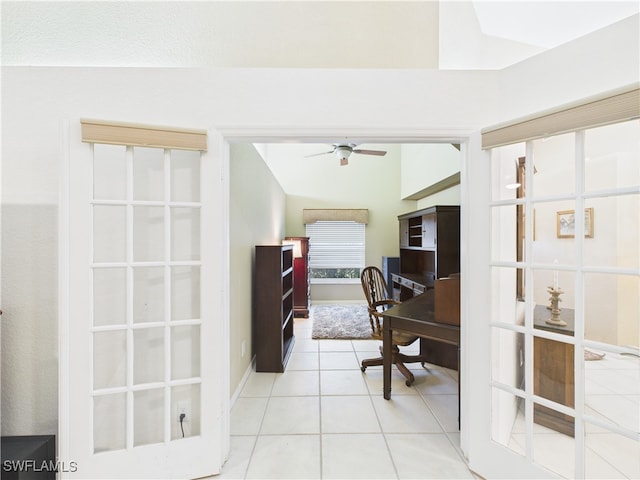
405	414
338	361
436	381
294	382
247	414
303	361
342	382
356	456
348	414
285	457
291	415
258	385
305	345
366	345
445	408
335	345
239	455
621	452
426	456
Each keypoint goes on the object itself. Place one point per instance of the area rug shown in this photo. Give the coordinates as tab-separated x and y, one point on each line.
343	322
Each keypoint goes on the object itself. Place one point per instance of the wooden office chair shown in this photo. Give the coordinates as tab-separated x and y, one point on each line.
378	300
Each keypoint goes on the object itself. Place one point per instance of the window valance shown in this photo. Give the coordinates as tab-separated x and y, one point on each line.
312	215
610	108
137	135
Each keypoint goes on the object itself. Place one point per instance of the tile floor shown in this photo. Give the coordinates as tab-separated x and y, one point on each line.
612	395
324	418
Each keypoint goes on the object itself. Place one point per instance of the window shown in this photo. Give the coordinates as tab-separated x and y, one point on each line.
336	250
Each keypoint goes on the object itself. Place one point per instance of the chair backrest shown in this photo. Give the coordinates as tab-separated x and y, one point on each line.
374	286
375	291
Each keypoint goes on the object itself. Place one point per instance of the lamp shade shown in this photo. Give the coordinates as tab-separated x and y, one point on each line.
297	246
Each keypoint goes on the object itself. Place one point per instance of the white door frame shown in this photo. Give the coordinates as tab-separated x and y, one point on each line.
468	140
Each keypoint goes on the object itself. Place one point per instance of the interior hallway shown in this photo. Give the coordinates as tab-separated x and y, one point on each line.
323	418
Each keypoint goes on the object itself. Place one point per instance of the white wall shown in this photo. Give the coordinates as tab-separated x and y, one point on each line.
450	196
208	34
573	71
426	164
256	212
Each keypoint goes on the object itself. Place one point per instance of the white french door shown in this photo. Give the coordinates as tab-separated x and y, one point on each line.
557	394
142	355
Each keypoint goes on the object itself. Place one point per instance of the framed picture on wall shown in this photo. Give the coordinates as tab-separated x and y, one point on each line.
566	223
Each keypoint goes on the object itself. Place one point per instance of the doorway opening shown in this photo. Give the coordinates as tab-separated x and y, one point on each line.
273	230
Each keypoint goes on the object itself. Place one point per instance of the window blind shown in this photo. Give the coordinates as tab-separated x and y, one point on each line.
336	244
137	135
613	107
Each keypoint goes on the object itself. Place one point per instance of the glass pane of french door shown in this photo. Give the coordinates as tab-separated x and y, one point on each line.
566	301
145	296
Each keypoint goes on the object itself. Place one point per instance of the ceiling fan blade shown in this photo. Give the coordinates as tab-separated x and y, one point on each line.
317	154
379	153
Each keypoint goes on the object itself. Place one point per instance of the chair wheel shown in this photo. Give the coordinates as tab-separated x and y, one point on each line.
408	383
363	368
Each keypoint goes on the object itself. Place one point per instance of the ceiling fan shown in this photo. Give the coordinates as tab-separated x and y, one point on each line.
344	150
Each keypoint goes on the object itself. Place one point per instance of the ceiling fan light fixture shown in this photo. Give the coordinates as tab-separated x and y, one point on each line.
343	153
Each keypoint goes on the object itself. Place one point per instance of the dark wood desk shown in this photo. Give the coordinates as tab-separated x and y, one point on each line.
409	285
416	316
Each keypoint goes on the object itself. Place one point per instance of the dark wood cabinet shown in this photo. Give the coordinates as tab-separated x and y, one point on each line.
429	250
301	287
273	336
553	376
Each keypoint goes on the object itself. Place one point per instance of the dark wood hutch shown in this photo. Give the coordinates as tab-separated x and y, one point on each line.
429	250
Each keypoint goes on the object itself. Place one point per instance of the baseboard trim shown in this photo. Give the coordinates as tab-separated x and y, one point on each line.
242	383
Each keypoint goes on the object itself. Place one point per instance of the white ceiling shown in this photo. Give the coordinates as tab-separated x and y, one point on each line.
484	34
450	34
548	24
